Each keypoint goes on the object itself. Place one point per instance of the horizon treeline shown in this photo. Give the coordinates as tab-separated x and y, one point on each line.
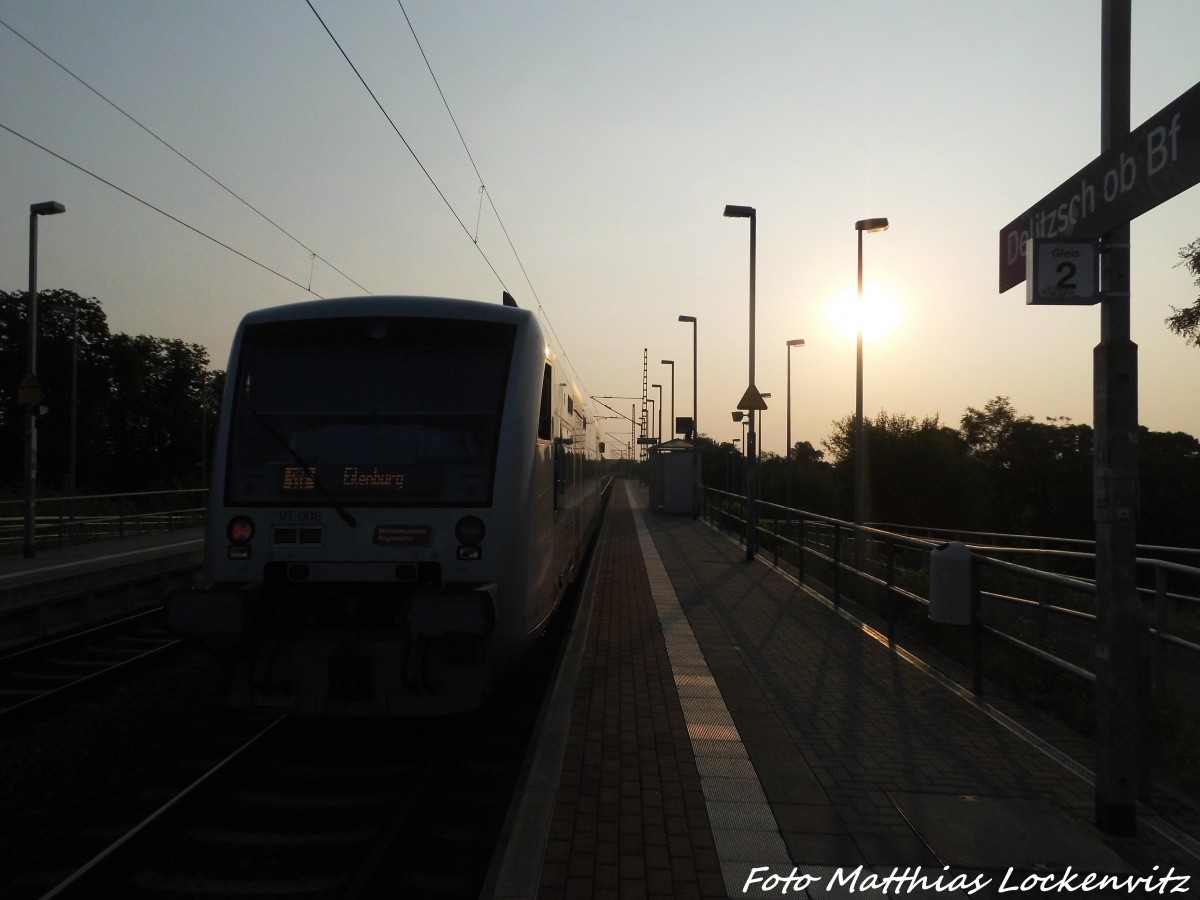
997	471
146	406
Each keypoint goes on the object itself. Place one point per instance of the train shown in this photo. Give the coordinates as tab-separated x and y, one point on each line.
403	488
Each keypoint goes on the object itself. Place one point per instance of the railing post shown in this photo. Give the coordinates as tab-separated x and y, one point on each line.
1161	625
837	565
775	555
800	551
891	597
976	629
1043	592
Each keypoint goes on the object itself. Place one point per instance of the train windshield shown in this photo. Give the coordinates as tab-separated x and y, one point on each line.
380	411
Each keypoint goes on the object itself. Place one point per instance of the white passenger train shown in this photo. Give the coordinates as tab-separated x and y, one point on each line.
402	489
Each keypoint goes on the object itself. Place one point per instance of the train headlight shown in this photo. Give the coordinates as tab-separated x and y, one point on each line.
469	532
240	532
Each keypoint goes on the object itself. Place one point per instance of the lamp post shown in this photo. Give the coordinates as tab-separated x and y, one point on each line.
671	363
761	440
71	452
748	212
860	441
695	427
32	400
744	419
660	405
799	342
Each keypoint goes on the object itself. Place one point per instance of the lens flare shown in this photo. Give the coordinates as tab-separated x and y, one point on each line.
879	314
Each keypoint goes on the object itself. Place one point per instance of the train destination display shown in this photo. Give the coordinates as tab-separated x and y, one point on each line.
298	478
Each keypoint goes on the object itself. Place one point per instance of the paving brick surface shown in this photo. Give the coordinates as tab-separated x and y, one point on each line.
837	725
630	818
839	731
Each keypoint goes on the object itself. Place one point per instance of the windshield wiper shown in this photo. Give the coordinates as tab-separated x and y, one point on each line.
308	470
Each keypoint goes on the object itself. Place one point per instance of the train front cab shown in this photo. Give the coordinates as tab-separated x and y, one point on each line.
341	600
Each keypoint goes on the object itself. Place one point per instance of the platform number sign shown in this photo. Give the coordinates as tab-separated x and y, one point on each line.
1064	273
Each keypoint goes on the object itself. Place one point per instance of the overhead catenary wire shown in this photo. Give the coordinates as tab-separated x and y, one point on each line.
482	188
404	141
161	212
312	253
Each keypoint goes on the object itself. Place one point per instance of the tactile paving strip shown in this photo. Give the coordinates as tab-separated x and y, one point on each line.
744	828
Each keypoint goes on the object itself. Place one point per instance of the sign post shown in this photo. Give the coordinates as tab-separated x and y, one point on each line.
1136	171
751	400
1122	663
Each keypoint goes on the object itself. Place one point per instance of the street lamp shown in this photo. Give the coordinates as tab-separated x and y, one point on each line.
799	342
761	439
671	363
695	428
860	441
71	452
31	395
748	212
660	405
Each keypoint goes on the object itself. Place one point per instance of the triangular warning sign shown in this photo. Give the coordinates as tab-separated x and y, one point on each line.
752	399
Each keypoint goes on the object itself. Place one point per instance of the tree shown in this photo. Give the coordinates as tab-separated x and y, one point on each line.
142	407
153	411
1186	322
918	471
1039	474
1169	489
814	484
55	330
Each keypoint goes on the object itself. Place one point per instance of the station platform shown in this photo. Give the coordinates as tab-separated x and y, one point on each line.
719	730
64	589
51	557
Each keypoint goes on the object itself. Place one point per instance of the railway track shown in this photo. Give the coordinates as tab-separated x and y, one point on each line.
301	809
340	808
39	679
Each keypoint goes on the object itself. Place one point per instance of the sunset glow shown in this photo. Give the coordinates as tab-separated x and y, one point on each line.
880	313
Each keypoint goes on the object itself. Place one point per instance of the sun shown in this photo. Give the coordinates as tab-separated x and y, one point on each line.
880	312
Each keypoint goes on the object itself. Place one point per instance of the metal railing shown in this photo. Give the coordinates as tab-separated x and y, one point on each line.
62	521
1056	625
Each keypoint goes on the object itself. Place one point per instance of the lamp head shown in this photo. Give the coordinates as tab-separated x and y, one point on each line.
799	342
668	362
880	224
687	318
739	212
49	208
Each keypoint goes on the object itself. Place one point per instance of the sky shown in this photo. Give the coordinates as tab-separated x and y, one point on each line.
609	137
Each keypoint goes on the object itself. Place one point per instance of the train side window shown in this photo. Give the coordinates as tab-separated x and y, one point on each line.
545	430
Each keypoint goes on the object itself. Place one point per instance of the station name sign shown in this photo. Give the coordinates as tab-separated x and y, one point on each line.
1159	159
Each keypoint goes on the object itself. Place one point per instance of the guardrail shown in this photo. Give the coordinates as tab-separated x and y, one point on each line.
62	521
1055	626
